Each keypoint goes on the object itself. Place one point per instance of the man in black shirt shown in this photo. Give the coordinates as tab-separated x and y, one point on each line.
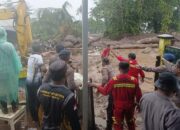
57	100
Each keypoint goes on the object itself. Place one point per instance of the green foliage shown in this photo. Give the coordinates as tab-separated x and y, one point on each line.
52	22
128	16
96	25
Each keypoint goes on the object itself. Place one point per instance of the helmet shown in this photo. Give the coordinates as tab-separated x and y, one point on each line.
169	57
132	56
65	54
167	82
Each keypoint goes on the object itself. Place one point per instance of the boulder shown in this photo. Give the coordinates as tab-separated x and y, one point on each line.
147	50
71	38
67	44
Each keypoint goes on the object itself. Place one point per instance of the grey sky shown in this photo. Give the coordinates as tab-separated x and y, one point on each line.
35	4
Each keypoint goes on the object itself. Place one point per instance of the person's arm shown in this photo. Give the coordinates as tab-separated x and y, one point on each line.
105	90
113	53
158	69
104	76
120	58
141	72
72	115
168	65
70	79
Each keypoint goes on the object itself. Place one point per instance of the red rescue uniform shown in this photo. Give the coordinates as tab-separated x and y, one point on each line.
105	53
126	92
133	71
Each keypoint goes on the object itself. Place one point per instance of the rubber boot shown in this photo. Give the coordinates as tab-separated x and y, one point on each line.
14	106
4	107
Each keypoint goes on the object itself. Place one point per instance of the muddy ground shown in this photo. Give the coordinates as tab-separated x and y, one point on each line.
146	59
94	72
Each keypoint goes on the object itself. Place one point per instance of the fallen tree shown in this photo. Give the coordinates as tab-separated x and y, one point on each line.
135	46
152	40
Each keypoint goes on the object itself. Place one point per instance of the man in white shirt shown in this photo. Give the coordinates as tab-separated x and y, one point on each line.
34	80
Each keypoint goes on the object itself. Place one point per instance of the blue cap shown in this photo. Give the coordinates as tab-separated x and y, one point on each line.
169	57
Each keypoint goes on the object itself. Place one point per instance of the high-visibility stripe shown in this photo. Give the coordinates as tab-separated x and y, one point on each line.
124	85
51	94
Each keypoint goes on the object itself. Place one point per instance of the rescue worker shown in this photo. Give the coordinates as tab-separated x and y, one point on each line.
126	94
107	75
106	52
34	80
134	70
168	56
10	66
157	110
57	100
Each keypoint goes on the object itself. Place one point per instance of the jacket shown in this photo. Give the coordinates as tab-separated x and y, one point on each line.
133	71
57	101
159	113
125	90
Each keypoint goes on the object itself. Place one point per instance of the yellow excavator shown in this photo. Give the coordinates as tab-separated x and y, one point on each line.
22	27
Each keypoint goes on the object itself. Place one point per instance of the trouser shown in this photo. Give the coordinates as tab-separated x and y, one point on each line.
109	113
120	115
32	100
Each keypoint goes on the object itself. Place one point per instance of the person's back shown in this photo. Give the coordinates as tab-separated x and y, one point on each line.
35	61
158	112
54	100
57	100
106	51
124	90
126	94
107	71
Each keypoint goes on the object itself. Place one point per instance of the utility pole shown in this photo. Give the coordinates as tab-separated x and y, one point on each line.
85	63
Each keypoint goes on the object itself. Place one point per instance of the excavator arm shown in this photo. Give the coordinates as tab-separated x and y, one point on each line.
22	25
6	14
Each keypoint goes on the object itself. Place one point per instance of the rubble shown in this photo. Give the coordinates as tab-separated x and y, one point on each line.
147	50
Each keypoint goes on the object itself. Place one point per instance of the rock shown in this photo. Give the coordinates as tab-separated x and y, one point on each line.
147	50
71	38
67	44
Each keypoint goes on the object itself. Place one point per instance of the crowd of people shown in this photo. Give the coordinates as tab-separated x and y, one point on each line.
159	109
51	91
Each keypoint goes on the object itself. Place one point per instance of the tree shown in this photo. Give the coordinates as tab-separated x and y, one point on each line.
128	16
51	22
